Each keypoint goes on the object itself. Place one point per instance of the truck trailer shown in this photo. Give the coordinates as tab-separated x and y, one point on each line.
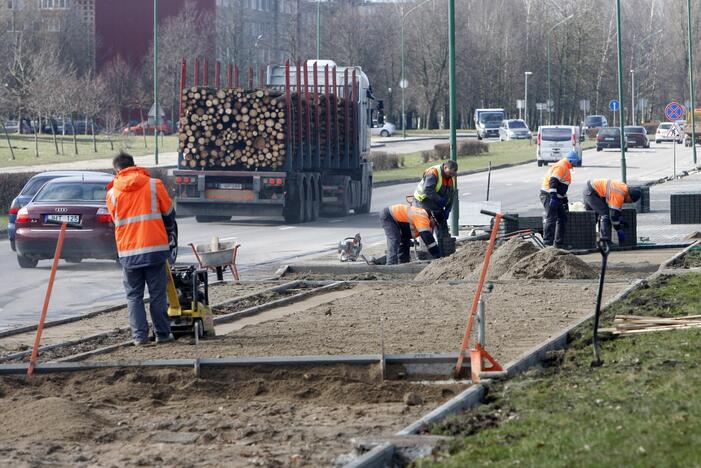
305	153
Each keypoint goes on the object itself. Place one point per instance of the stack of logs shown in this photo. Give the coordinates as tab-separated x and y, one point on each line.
233	128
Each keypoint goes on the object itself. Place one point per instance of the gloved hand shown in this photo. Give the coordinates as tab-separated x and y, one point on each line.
621	237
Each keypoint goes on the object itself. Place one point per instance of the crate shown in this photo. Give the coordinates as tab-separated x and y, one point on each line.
685	208
630	215
580	231
534	223
642	205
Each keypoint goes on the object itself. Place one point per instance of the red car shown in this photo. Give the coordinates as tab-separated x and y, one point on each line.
77	200
142	127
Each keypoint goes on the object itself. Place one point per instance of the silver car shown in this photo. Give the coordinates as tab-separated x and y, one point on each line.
385	130
514	129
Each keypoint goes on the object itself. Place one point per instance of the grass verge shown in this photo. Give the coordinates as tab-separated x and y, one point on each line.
24	148
3	222
641	408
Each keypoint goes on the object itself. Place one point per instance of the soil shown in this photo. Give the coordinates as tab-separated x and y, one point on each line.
366	276
458	266
273	417
506	256
691	259
259	299
551	263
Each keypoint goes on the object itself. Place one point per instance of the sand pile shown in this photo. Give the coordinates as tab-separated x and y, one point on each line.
458	266
50	418
506	256
551	263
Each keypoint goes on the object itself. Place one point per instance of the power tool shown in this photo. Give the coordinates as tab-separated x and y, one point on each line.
188	302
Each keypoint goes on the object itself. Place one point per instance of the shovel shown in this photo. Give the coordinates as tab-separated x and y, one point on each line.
604	250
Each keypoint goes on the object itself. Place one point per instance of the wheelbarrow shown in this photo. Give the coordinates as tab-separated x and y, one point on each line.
216	256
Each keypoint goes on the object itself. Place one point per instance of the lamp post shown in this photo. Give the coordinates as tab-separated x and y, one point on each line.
620	90
455	212
525	97
318	28
155	76
632	96
403	83
550	32
691	81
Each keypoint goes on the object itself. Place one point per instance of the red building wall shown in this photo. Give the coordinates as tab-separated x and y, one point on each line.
125	27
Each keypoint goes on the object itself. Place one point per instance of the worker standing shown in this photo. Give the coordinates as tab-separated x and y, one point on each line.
402	223
143	214
606	197
553	196
436	191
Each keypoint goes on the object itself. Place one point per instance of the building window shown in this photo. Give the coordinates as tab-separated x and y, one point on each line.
54	4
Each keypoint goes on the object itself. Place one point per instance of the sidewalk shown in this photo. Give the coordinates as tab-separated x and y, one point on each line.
164	160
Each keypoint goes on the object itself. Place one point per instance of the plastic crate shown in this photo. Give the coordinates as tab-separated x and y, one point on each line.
535	223
685	208
630	215
642	205
580	231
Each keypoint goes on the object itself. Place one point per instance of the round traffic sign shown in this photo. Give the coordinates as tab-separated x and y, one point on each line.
674	111
614	105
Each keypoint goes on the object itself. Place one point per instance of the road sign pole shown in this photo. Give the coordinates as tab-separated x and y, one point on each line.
620	90
455	212
155	77
691	82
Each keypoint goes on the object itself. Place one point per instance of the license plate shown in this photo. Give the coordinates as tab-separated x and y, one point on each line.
608	139
64	218
231	186
631	141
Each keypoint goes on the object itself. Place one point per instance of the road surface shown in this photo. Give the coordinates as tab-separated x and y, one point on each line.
266	243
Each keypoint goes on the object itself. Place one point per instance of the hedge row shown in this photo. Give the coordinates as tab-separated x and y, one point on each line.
382	161
11	185
441	151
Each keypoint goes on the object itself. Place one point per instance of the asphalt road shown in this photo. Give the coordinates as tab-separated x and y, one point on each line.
267	242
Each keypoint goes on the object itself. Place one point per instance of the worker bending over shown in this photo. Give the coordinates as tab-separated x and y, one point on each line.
435	193
606	197
553	196
402	223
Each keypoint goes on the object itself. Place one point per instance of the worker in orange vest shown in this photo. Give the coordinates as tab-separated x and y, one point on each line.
143	214
402	223
606	197
436	191
553	196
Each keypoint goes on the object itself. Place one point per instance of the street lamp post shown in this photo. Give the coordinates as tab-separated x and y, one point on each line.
403	83
620	90
525	98
318	28
155	76
691	82
455	212
632	96
550	32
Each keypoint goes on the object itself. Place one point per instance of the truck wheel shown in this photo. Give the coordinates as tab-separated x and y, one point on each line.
365	207
308	203
316	200
345	205
26	262
211	219
294	208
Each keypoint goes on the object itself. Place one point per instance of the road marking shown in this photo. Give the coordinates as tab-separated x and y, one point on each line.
285	228
335	220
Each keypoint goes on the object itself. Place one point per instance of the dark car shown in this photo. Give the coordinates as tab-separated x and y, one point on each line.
78	200
16	126
636	137
30	189
609	137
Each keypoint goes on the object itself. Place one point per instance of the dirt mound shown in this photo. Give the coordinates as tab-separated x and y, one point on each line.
506	256
458	266
551	263
51	418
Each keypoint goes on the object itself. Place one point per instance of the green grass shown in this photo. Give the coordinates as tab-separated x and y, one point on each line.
3	222
641	408
23	146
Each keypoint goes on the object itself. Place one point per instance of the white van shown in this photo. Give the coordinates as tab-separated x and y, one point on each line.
555	141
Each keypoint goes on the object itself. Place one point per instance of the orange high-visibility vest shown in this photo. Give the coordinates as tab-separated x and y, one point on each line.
613	191
137	204
561	170
417	218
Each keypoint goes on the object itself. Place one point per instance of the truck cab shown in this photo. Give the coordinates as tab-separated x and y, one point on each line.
487	122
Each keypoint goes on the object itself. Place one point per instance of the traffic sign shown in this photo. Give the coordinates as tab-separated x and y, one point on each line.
614	105
520	103
674	111
584	105
403	84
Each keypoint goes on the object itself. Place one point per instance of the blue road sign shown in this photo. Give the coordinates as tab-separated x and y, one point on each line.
614	105
674	111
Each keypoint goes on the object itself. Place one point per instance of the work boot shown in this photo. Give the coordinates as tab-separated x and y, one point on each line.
141	342
166	339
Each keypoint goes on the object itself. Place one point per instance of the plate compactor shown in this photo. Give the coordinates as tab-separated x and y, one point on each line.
188	302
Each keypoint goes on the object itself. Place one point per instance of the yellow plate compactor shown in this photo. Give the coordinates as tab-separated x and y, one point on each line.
188	302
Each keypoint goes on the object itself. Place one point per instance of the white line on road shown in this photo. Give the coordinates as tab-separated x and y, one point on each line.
285	228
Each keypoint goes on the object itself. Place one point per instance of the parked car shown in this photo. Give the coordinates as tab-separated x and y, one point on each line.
514	129
595	121
13	126
148	128
669	131
30	189
79	127
77	200
636	137
555	141
609	137
385	130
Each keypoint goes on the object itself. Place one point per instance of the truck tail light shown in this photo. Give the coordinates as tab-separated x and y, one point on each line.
22	216
103	216
178	180
280	182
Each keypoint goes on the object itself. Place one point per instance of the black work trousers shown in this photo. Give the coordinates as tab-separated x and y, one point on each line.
594	202
555	221
398	243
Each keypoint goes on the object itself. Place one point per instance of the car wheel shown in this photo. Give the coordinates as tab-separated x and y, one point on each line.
657	142
384	133
598	149
26	262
